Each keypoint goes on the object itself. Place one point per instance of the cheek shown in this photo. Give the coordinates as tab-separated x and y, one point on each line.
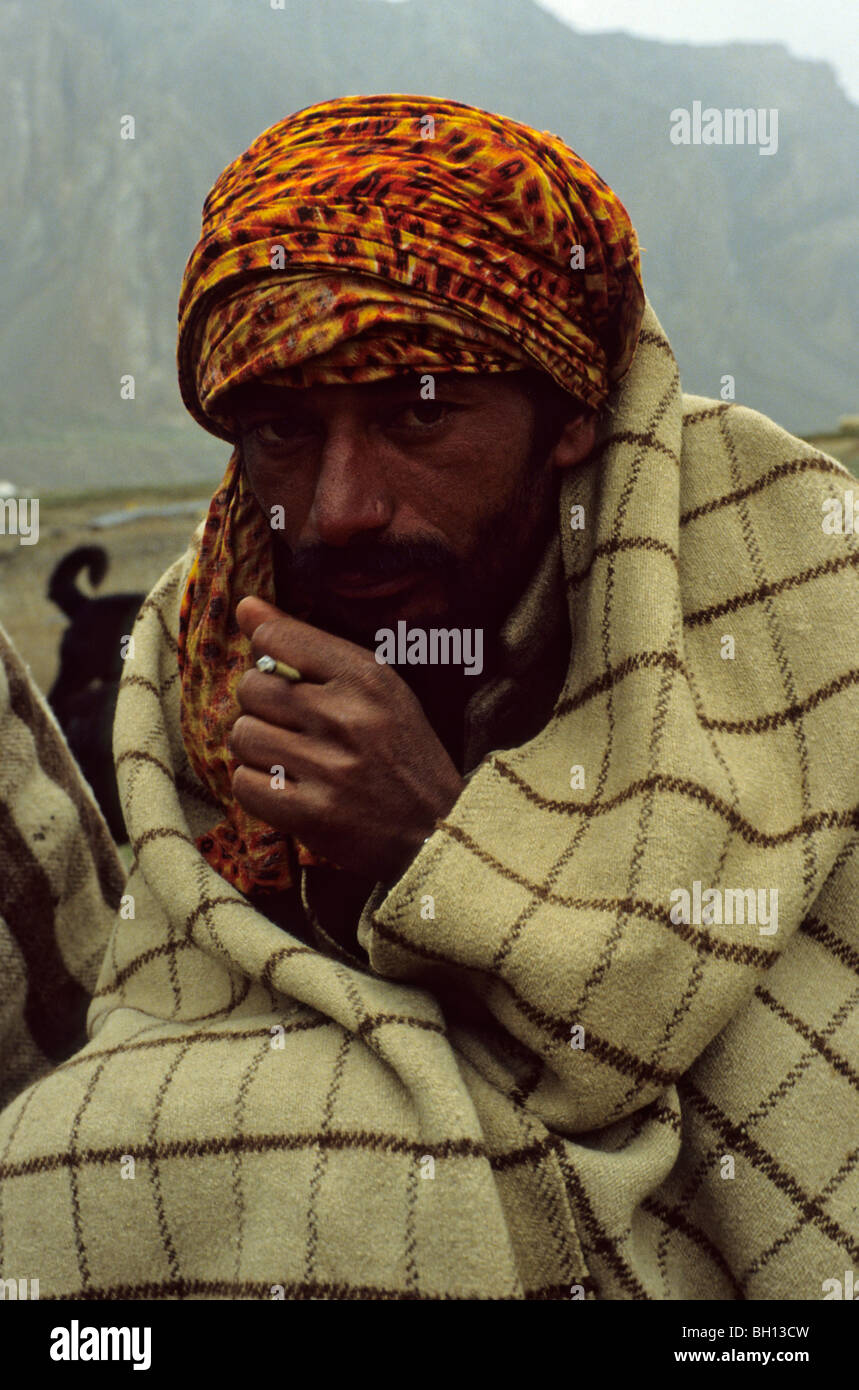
282	494
480	479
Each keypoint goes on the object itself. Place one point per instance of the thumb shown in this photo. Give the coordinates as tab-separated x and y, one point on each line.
252	611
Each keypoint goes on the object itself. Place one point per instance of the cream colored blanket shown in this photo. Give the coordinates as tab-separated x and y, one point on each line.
605	1044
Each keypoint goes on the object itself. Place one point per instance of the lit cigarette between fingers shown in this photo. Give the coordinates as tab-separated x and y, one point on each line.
270	667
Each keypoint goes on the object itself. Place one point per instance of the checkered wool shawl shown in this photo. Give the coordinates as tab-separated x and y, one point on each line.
419	1126
60	886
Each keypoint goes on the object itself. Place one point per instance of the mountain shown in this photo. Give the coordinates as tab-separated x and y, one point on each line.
749	259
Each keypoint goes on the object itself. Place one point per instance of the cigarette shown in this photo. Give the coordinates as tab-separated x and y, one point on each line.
270	667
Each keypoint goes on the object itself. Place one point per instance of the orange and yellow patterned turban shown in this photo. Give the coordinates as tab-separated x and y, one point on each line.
362	238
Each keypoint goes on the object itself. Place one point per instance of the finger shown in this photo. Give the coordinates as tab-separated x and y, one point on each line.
318	655
252	789
252	611
260	745
285	810
280	702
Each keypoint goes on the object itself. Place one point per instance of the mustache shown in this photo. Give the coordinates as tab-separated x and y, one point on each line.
318	565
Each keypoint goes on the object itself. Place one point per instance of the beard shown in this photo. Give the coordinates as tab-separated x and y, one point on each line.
474	591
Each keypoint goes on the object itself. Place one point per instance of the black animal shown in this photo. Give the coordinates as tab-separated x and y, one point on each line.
83	697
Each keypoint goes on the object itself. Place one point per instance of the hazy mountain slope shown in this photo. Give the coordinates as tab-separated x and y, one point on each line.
749	259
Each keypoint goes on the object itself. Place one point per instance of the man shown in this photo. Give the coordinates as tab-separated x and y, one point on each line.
431	981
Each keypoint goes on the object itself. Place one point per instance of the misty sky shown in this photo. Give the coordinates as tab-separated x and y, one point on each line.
827	29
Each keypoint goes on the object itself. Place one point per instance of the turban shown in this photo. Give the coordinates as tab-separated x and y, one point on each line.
363	238
368	236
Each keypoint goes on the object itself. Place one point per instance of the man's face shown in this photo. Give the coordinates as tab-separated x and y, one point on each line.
397	507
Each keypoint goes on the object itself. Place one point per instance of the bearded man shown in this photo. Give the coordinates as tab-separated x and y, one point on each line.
431	981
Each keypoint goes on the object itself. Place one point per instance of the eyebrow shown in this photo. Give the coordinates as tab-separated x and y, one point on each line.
288	398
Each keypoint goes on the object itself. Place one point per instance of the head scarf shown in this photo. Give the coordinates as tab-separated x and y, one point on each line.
363	238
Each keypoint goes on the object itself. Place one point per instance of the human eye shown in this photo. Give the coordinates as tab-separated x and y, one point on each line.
272	433
425	415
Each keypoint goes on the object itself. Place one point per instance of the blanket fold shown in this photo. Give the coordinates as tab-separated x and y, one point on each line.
558	1076
61	882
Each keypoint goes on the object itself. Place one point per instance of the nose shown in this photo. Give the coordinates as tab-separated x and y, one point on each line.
352	495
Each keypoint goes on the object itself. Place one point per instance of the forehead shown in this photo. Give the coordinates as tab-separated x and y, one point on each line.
263	395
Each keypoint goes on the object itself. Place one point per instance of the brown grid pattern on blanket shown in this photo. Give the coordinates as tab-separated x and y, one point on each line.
423	1128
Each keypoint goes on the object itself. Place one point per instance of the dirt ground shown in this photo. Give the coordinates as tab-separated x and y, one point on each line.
139	552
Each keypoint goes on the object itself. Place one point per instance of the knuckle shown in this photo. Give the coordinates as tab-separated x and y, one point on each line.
374	679
376	672
265	634
348	765
328	805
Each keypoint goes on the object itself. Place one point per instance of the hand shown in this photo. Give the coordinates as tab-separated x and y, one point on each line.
366	776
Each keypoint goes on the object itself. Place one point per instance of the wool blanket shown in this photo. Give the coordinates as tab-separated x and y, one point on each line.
599	1040
60	886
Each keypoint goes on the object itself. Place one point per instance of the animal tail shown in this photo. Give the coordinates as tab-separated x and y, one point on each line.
62	589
